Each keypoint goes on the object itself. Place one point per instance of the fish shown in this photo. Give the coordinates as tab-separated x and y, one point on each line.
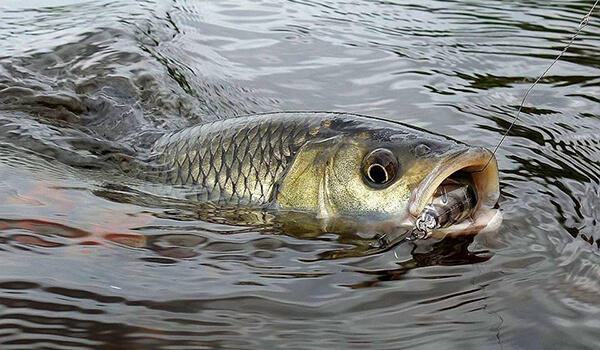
357	170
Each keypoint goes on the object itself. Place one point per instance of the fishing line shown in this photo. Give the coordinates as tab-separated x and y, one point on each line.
426	221
582	24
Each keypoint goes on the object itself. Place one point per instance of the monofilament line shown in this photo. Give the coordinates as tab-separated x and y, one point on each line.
582	24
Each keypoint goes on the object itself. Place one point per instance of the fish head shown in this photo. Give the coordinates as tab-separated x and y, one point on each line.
386	173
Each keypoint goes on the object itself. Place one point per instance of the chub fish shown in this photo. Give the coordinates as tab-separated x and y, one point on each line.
360	170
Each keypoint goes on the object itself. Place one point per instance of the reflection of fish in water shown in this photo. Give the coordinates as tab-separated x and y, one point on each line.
335	167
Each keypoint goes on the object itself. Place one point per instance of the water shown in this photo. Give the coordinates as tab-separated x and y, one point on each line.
87	264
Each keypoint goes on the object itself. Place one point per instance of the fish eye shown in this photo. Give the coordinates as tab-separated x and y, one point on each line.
380	167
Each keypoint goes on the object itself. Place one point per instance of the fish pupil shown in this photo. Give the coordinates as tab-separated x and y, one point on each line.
378	174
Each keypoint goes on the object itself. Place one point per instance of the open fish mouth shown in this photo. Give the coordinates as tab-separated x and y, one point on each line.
480	167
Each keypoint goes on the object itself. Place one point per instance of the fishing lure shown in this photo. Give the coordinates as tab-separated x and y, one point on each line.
452	203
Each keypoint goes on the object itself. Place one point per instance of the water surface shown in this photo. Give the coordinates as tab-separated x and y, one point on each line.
89	264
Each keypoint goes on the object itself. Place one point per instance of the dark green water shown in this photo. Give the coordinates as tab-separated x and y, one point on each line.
85	265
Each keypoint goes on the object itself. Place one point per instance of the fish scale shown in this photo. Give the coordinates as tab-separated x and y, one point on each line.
237	161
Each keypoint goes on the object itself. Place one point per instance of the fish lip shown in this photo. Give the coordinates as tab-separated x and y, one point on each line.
479	162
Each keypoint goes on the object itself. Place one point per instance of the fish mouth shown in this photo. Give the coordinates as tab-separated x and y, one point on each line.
480	166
